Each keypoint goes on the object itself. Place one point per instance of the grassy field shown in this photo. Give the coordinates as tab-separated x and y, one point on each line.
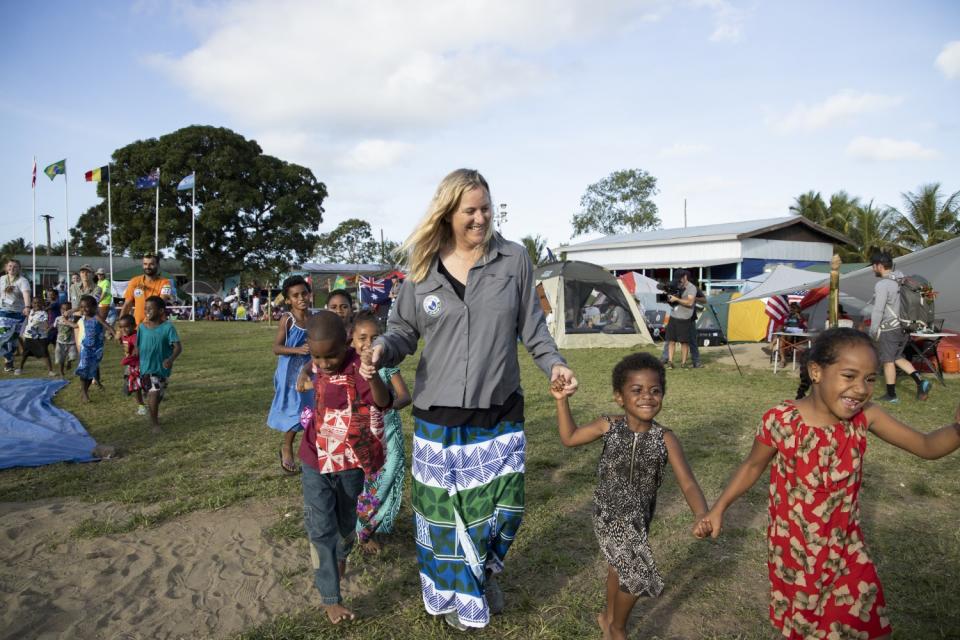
215	451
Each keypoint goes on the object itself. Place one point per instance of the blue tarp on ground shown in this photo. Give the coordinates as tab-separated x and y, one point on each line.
33	432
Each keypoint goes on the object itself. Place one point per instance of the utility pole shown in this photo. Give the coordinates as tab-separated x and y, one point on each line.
47	218
684	213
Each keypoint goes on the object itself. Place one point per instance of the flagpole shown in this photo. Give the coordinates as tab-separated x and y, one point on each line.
109	229
34	183
156	220
193	252
66	215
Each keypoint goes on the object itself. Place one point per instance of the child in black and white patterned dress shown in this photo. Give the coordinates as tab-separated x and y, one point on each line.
635	451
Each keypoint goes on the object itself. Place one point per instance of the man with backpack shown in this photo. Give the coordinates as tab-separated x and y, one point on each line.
886	328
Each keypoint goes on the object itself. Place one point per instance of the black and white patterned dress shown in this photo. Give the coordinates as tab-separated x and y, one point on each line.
630	473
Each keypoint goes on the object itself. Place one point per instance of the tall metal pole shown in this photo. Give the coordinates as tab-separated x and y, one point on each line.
34	187
684	213
193	252
109	228
156	220
66	215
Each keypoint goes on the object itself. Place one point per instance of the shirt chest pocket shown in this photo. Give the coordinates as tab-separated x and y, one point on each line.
499	292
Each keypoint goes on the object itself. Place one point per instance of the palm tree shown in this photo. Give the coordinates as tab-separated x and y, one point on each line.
870	228
811	206
928	217
536	247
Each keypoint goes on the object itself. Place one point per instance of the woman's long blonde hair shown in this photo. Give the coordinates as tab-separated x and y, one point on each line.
434	230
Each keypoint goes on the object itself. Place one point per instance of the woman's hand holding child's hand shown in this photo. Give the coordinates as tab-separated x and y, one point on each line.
367	370
557	388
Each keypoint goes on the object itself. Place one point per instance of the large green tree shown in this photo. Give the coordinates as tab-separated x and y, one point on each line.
620	202
254	212
928	217
351	242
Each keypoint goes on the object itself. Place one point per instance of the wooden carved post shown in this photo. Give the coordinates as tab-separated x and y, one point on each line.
834	309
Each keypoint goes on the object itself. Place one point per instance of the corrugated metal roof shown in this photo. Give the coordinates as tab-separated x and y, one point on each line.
723	231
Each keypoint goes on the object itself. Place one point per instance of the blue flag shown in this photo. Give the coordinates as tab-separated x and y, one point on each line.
187	183
375	290
150	180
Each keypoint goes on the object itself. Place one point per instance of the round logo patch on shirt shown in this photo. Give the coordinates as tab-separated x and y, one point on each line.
138	292
165	290
432	306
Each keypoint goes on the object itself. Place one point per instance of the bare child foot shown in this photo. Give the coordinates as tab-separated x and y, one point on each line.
337	613
84	397
155	428
604	624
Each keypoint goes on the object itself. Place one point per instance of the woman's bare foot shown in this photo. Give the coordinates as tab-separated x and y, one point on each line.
337	613
604	624
371	546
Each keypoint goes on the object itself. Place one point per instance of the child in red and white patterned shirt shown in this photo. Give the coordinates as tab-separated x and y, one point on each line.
342	443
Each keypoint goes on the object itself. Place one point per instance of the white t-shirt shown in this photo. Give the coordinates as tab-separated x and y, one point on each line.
11	292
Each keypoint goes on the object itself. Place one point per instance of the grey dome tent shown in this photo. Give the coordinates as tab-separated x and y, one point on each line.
587	306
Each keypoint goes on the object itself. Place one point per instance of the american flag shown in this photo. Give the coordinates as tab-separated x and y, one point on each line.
374	290
778	309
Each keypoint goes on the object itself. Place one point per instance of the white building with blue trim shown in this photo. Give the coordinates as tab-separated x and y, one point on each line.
718	254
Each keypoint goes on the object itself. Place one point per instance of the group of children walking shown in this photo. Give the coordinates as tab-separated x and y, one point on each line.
823	583
149	348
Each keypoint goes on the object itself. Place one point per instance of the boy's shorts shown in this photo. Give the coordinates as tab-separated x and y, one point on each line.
36	347
152	383
65	352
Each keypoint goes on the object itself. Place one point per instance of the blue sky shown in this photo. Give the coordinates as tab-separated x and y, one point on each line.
736	106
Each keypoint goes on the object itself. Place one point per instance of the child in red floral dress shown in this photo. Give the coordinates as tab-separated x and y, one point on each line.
131	360
823	583
341	445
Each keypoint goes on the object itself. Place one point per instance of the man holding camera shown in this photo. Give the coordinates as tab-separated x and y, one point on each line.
699	298
682	326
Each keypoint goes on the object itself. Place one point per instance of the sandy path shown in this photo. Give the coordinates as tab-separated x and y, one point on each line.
208	574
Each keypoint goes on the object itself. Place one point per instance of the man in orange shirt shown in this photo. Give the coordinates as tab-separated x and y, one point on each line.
142	287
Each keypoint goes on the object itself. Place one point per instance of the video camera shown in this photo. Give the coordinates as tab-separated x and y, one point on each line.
670	289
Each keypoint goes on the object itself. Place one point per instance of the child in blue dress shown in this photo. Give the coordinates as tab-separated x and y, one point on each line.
90	343
290	345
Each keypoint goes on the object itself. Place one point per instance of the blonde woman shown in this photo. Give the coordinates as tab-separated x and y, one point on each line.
470	295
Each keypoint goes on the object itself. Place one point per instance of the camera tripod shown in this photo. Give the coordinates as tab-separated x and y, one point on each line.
723	337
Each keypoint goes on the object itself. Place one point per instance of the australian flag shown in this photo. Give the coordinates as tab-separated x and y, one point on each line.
374	290
150	180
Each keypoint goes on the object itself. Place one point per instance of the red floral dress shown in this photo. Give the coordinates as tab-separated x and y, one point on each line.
822	581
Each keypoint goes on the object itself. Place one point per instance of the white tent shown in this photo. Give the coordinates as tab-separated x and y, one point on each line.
939	264
783	279
589	307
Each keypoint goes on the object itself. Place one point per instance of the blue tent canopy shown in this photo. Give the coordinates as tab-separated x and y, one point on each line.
33	431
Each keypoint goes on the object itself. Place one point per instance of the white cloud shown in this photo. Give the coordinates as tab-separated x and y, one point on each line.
728	18
684	150
842	106
376	67
369	155
949	60
880	149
